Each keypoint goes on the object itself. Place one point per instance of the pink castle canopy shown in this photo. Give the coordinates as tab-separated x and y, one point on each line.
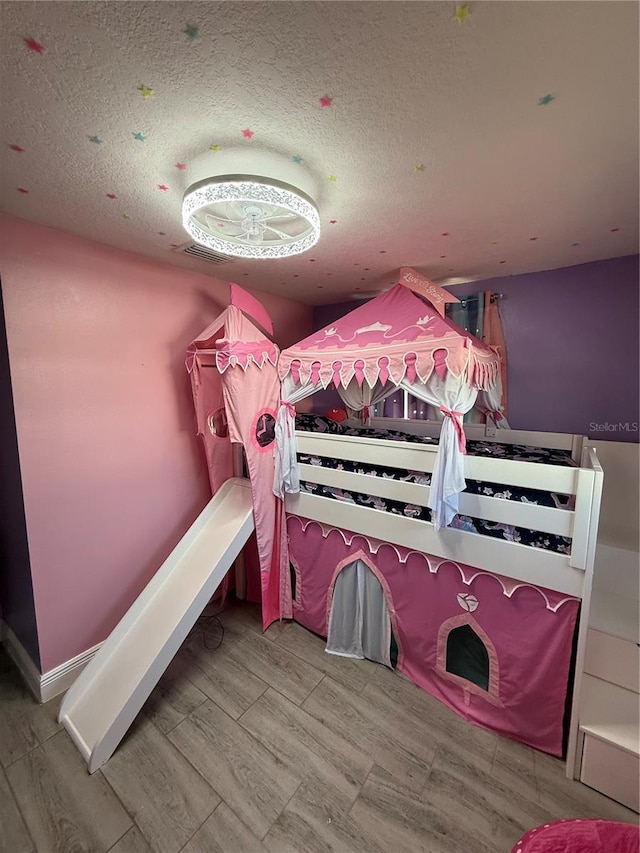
400	338
398	335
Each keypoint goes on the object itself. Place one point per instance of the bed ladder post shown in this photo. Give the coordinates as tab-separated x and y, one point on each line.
574	754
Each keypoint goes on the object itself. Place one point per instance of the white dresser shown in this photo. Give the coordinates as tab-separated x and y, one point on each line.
609	748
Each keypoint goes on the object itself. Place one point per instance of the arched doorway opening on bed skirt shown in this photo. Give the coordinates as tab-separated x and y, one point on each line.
359	621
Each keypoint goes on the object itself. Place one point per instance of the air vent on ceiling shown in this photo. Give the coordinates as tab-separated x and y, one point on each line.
198	251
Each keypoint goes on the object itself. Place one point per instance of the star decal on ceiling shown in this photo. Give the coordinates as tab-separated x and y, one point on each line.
247	133
418	168
162	233
34	45
22	190
16	148
545	100
111	195
181	166
145	91
215	148
126	216
332	221
96	140
332	178
462	13
192	33
139	136
297	158
325	101
163	187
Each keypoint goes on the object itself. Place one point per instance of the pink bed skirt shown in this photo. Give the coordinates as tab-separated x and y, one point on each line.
526	630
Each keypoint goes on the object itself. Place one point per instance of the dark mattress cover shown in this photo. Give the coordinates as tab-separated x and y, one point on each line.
536	539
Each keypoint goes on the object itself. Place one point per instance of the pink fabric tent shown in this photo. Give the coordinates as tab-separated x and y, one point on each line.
398	339
236	393
525	631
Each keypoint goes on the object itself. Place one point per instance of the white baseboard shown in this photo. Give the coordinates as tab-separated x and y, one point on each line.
50	684
60	679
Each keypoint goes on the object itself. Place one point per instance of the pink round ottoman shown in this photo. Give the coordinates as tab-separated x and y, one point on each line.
581	836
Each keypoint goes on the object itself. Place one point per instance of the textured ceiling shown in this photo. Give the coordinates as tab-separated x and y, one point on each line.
501	143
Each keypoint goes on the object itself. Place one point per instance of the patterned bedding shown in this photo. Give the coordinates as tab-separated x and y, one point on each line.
533	538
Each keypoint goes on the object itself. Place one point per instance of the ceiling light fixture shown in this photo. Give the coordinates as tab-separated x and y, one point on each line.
250	217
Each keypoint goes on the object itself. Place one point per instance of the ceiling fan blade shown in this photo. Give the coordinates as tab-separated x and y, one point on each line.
280	234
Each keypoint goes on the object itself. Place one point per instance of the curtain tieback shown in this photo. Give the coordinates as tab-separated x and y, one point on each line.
291	411
365	413
497	415
456	419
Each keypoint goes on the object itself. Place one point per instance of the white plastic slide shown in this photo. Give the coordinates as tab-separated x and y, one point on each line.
105	699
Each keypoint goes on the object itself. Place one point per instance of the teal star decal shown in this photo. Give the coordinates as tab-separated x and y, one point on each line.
546	99
191	33
297	158
139	136
96	140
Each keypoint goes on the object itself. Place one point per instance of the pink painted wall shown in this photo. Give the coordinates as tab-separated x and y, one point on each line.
112	472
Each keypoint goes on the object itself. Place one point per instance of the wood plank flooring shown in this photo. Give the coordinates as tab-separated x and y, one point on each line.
268	745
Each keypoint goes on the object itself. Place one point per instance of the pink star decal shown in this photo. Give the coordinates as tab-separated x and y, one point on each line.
16	148
181	166
111	195
312	260
163	187
613	230
174	245
533	238
326	101
220	224
445	234
332	221
22	190
248	134
34	45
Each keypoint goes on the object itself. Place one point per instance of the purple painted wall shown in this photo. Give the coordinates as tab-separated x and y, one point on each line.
572	347
17	606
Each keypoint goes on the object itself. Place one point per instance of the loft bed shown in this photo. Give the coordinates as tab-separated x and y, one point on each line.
373	496
576	522
566	573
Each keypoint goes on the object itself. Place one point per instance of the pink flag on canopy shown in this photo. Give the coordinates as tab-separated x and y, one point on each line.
436	295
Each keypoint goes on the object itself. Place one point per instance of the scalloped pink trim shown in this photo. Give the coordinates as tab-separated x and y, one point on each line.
241	354
375	545
483	369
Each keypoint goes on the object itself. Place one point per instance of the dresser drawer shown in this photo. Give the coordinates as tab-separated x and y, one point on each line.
611	770
613	659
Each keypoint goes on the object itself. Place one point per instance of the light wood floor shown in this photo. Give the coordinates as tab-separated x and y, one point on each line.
269	744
